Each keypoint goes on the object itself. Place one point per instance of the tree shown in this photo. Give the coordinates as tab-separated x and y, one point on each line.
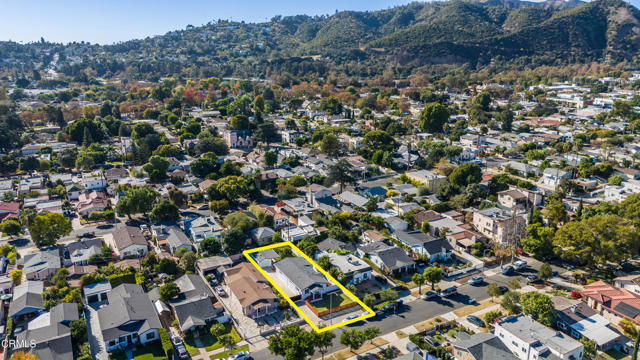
372	204
432	275
433	117
21	355
10	227
293	343
168	291
211	246
16	276
341	172
324	341
539	306
324	262
78	330
239	221
188	261
156	168
47	228
136	200
493	290
510	301
227	341
270	158
589	351
545	273
330	145
308	247
217	330
465	174
165	210
233	241
555	211
418	279
514	284
233	187
167	266
353	338
490	316
539	240
177	197
371	333
331	105
598	239
379	140
203	166
369	300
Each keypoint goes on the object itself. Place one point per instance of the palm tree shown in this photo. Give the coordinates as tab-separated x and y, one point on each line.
227	341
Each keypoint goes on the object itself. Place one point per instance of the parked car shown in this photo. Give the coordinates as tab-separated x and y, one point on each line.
203	207
242	355
508	270
476	280
214	282
428	295
503	289
182	352
519	265
87	235
449	291
352	316
220	291
475	320
532	278
176	340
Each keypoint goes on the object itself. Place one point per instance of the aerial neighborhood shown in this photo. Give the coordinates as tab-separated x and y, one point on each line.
207	216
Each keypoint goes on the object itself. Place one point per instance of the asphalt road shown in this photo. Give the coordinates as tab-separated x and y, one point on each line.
420	310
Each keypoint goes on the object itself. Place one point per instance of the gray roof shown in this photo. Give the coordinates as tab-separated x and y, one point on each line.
177	238
531	331
268	254
96	288
395	258
485	346
352	198
373	247
262	233
213	262
300	272
193	312
51	334
330	244
42	260
129	310
27	295
192	285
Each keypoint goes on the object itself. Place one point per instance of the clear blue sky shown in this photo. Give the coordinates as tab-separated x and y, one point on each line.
108	21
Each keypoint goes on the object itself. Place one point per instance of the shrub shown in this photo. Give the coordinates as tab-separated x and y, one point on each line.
166	342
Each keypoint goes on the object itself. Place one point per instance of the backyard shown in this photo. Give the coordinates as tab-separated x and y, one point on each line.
334	300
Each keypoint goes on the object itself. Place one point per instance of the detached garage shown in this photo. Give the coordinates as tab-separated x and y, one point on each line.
96	292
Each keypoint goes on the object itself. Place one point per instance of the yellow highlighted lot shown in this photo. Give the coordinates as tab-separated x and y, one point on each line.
298	252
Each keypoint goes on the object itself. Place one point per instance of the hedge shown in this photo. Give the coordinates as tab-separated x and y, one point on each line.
167	346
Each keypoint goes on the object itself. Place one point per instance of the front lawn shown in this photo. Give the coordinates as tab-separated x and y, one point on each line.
209	341
333	300
150	351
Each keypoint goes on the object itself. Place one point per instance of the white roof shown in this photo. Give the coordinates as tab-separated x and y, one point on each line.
595	328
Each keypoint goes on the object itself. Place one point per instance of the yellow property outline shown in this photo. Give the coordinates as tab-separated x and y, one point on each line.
303	255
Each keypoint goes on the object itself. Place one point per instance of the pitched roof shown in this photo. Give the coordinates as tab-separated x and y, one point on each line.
395	258
28	294
248	285
128	236
129	310
485	346
620	301
300	272
330	244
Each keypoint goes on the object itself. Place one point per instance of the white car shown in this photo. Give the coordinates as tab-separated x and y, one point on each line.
519	265
242	355
352	316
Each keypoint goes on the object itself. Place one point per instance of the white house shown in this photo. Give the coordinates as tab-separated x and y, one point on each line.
94	181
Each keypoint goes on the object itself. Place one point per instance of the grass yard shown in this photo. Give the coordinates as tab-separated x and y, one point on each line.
152	351
226	354
468	310
210	342
367	346
428	324
334	300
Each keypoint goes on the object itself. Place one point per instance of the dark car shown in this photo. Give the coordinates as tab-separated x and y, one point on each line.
508	270
503	289
182	352
475	320
532	278
86	235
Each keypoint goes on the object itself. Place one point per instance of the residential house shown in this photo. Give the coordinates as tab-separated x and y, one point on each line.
352	199
262	235
330	244
129	242
480	346
238	139
266	258
79	252
371	236
297	233
512	199
89	202
317	191
203	227
436	249
553	176
94	181
213	265
27	300
48	336
114	174
96	292
392	260
9	209
41	265
521	168
251	290
352	267
578	320
302	278
629	282
171	237
74	191
193	307
394	223
431	180
611	302
128	318
499	225
530	340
